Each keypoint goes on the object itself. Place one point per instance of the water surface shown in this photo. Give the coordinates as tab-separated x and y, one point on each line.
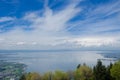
43	61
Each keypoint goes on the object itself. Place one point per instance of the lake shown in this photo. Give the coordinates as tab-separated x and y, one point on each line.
44	61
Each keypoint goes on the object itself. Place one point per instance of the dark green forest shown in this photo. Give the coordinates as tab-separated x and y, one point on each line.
82	72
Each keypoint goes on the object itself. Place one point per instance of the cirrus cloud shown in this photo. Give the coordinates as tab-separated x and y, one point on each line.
47	29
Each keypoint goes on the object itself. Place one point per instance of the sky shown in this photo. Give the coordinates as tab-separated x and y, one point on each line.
59	24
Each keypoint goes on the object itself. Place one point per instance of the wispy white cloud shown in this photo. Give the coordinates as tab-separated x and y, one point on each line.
106	9
50	30
4	19
103	18
51	21
47	28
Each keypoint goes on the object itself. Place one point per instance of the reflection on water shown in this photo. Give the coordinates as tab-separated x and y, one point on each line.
50	61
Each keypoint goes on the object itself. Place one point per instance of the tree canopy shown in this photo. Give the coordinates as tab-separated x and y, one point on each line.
115	70
82	72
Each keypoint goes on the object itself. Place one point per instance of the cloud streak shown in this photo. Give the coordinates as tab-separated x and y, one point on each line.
103	18
48	29
5	19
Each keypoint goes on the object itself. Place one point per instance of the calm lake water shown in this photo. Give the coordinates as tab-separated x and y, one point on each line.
43	61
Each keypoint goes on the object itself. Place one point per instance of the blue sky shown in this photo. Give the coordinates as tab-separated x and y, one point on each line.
60	24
